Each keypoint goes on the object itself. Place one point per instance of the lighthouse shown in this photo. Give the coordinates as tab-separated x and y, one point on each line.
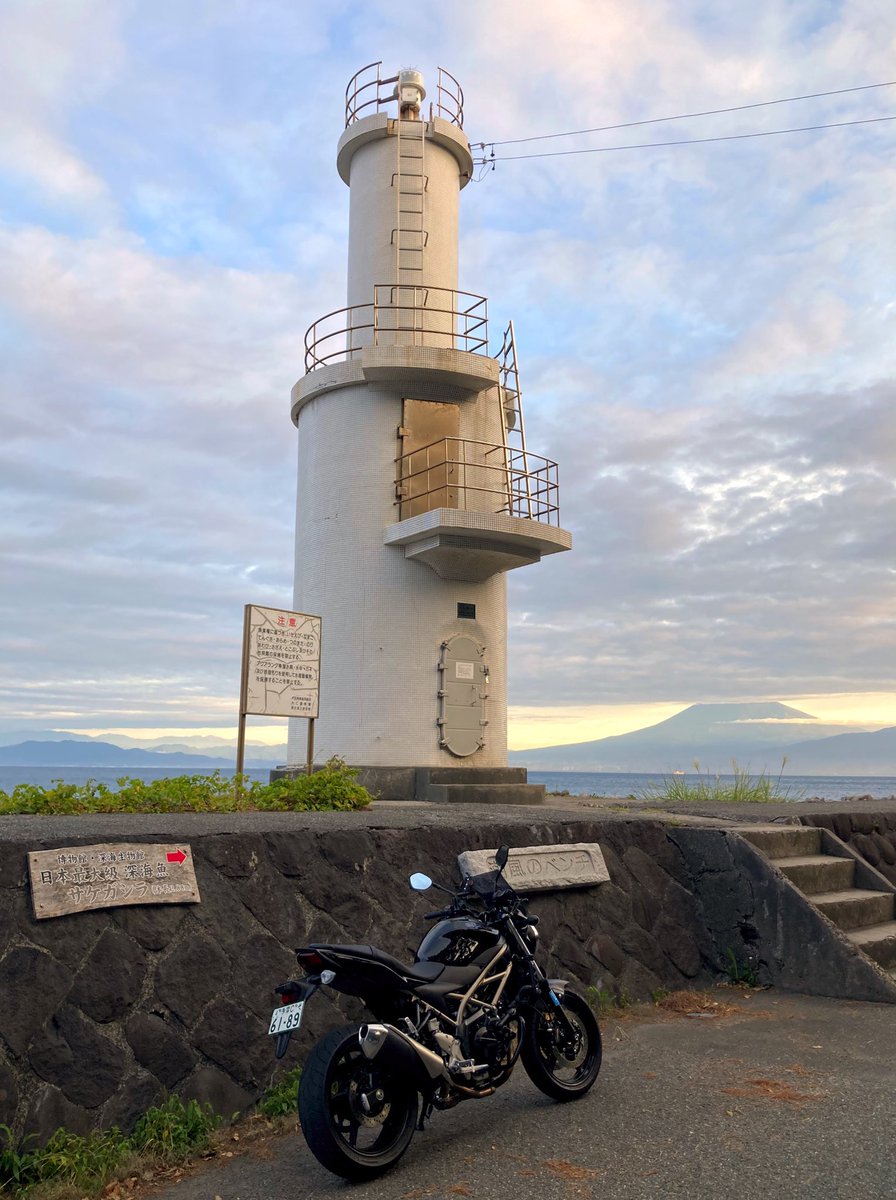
416	492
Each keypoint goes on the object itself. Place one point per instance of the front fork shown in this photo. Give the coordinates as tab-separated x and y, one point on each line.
546	992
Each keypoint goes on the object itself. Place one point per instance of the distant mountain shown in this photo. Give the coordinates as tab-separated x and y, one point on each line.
16	736
101	754
756	735
202	747
846	754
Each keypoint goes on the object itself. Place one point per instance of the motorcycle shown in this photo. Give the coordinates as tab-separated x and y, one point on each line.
449	1027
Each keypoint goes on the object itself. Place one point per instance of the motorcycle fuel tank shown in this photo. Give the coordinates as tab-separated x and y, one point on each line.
459	942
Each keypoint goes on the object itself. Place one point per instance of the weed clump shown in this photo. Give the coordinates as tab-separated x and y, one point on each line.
166	1134
738	788
281	1098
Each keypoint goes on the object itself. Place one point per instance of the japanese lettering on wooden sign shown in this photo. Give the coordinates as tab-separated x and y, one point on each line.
74	879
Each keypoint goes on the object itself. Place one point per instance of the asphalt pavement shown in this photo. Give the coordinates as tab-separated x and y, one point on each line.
787	1097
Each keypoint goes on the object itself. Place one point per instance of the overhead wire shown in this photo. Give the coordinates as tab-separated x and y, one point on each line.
709	112
729	137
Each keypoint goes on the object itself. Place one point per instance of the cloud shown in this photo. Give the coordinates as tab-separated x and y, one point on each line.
705	337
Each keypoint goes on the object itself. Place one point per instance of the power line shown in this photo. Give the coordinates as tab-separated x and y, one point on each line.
730	137
710	112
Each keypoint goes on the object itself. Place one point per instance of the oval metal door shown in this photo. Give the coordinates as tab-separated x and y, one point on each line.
462	694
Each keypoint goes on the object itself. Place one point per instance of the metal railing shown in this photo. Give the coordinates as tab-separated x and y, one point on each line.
401	315
449	102
476	476
368	92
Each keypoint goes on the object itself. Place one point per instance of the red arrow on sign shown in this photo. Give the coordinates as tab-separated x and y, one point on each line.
178	856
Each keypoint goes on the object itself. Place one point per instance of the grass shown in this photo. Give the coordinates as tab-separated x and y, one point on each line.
606	1000
740	788
171	1133
332	788
280	1099
164	1135
740	974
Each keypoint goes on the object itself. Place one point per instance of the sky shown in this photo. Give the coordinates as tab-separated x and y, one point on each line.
706	339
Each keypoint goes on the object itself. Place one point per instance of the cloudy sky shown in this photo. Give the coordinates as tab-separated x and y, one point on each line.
706	336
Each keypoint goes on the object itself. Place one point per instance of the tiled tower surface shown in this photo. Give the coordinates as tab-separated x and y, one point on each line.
408	503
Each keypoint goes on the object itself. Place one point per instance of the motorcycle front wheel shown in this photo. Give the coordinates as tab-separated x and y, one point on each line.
563	1064
357	1117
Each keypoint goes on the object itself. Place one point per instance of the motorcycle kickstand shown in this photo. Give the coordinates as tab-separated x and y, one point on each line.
426	1111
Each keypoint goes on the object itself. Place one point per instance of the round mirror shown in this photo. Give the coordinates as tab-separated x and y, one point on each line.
420	883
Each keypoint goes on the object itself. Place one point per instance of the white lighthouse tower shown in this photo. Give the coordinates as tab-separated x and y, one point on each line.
416	493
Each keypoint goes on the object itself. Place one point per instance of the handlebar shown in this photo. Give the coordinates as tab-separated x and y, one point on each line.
435	916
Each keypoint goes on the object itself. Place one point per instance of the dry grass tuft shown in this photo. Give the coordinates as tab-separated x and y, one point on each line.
772	1089
690	1003
568	1170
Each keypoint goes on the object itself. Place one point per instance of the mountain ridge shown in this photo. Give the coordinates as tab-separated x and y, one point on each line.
758	735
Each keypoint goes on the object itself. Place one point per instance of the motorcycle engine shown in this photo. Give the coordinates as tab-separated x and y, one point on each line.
496	1044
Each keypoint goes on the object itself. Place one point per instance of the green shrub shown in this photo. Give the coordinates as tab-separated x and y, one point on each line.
333	787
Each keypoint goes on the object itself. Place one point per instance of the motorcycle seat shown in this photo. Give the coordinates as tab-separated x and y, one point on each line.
421	972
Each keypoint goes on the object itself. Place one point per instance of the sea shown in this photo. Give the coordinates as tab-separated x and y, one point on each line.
577	783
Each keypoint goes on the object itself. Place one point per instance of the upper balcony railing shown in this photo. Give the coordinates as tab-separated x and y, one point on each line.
400	315
368	93
476	476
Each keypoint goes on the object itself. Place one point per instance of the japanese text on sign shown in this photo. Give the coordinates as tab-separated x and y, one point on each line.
78	878
281	676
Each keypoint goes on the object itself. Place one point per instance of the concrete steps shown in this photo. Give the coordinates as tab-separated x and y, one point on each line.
477	785
853	908
816	873
484	793
825	871
878	942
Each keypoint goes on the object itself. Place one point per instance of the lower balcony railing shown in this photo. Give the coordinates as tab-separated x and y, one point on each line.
477	476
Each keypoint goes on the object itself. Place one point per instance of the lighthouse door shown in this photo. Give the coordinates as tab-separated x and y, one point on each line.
428	463
462	695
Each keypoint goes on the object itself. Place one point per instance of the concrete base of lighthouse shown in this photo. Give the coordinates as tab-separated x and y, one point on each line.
443	785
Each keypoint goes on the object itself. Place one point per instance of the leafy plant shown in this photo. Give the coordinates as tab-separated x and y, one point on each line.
605	1000
740	974
164	1134
173	1129
740	788
333	787
280	1099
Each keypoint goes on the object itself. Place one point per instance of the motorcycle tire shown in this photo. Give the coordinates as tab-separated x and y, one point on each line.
347	1138
562	1069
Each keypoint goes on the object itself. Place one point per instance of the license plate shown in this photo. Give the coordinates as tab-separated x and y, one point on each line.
287	1017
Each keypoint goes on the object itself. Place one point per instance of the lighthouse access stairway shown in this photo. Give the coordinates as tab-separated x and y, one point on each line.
837	882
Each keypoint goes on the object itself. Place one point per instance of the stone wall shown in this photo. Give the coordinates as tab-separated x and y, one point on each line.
101	1012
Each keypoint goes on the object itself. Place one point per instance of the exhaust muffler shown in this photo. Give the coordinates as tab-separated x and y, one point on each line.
393	1048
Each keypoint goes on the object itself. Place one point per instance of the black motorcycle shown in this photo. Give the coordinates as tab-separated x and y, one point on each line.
449	1027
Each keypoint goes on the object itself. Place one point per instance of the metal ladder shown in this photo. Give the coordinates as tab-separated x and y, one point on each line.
519	492
409	236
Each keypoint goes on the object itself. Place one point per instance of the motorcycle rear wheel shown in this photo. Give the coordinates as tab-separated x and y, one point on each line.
347	1138
562	1067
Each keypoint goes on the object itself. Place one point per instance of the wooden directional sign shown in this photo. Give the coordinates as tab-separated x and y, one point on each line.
74	879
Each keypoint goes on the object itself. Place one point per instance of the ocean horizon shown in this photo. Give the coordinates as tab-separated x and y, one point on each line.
798	788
